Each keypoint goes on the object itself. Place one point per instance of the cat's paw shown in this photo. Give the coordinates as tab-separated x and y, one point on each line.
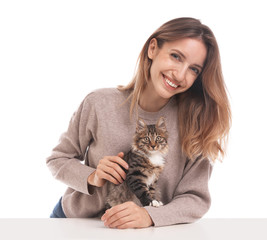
156	203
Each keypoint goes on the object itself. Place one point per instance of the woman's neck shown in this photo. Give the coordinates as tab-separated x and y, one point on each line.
151	102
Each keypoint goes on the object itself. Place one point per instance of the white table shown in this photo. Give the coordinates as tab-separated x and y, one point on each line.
205	229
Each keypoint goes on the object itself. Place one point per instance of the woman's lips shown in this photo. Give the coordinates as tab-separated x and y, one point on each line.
169	83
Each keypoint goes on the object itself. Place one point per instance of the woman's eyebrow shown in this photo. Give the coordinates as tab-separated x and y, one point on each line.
201	67
183	56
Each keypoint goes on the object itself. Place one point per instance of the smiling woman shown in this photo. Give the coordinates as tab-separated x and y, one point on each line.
174	68
179	79
182	58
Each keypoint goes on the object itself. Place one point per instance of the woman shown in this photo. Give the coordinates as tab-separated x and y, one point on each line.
179	77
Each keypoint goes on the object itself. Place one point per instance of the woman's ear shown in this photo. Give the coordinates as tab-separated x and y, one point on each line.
152	48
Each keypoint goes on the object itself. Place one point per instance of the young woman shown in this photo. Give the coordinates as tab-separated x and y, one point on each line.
179	77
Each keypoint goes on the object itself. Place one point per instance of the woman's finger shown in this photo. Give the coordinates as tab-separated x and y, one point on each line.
121	222
119	161
112	172
127	215
117	211
101	174
117	168
109	168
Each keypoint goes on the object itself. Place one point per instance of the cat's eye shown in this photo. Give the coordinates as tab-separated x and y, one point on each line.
146	139
158	138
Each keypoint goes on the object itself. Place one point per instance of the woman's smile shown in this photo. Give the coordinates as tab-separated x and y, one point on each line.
170	83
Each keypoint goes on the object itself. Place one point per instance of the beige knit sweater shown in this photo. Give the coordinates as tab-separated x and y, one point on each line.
102	127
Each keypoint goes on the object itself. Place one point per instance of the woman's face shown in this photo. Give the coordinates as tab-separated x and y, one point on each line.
176	65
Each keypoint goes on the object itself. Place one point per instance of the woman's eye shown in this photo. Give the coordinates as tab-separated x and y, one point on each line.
195	70
176	56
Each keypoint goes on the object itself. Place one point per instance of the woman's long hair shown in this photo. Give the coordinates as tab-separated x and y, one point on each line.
204	111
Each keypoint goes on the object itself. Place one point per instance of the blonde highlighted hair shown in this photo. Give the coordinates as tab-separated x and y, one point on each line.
204	111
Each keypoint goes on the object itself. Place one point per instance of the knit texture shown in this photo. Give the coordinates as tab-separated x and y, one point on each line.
102	127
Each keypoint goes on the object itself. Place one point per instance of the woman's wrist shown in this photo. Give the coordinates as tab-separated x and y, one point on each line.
90	185
90	179
148	218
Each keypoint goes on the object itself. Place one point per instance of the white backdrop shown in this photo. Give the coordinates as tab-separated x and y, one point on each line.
53	53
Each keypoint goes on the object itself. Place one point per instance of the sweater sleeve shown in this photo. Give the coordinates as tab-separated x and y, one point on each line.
65	162
191	198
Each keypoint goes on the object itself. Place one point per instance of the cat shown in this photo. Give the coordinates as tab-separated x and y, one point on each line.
146	162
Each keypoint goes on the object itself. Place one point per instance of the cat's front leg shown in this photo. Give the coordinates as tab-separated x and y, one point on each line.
154	202
143	194
140	189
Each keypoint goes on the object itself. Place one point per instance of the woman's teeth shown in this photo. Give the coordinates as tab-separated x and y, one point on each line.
171	83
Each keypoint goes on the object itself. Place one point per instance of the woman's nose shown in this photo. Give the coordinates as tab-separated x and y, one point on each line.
180	73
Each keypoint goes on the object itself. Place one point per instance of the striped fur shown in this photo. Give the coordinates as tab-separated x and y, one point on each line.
146	162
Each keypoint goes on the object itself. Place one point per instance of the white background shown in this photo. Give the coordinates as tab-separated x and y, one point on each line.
53	53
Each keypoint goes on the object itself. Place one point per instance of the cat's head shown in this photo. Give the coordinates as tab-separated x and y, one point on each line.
151	138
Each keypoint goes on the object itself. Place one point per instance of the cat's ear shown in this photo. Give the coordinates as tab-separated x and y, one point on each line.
141	125
161	124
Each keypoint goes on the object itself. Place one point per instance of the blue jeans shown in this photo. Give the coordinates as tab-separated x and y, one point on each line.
58	211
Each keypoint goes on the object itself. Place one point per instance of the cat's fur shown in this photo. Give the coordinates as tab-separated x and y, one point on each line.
146	162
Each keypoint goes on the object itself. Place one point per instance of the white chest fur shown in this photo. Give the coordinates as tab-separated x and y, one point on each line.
156	158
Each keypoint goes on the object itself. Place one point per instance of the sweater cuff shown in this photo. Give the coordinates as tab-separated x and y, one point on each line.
75	175
156	218
81	184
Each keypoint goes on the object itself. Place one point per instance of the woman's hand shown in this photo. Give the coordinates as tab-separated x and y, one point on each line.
127	215
109	169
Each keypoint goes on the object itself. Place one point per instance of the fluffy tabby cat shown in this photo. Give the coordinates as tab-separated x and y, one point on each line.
146	162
